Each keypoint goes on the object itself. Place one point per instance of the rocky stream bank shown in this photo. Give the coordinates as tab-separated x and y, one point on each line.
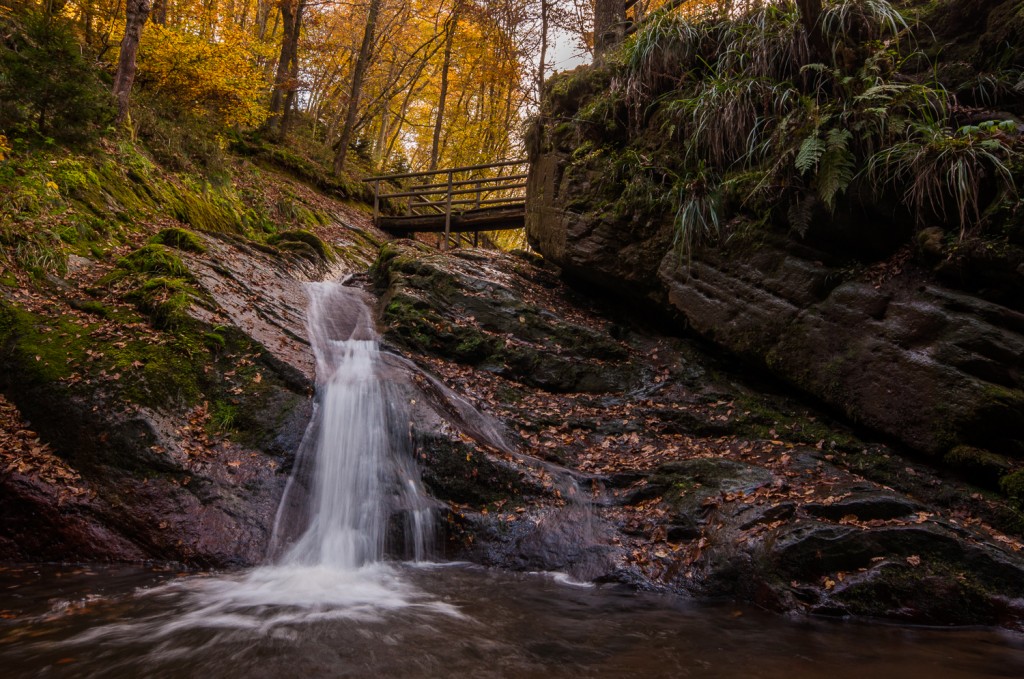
583	441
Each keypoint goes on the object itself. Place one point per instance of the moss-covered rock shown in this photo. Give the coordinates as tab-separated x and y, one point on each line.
1013	486
181	239
154	259
458	472
304	242
978	465
451	306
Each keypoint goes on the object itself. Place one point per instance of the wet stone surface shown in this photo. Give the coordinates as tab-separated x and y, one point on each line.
684	477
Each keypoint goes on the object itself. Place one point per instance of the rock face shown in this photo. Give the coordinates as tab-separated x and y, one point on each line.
927	365
927	352
593	247
552	436
681	479
143	445
462	308
910	324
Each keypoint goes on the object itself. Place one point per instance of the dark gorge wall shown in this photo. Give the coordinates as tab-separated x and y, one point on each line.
893	349
897	322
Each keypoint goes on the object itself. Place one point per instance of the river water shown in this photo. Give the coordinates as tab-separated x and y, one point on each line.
328	604
404	620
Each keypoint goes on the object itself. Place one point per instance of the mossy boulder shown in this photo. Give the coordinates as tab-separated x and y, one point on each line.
157	280
1013	486
458	472
459	307
921	573
978	465
304	243
154	259
181	239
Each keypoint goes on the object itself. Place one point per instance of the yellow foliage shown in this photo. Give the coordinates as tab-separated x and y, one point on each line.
5	148
220	77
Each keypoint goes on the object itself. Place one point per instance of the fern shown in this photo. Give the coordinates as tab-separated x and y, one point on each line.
943	174
838	167
800	213
810	153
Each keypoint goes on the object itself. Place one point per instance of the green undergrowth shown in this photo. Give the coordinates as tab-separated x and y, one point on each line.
158	282
724	126
303	168
57	359
87	201
49	351
86	204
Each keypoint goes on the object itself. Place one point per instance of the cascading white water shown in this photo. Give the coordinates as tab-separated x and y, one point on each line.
354	490
354	469
354	475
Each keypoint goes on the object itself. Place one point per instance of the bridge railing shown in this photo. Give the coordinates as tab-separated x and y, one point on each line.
451	191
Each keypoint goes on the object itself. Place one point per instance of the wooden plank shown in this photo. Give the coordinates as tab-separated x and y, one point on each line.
454	214
490	201
485	219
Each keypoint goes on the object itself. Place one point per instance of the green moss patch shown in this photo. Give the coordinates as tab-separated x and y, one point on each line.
304	242
1013	486
159	283
978	465
180	239
932	592
152	259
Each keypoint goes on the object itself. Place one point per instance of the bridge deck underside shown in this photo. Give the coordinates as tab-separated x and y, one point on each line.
502	218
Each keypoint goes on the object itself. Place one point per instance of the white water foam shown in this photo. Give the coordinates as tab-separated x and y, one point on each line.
354	475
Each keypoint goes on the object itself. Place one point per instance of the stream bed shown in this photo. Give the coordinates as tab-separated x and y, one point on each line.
456	620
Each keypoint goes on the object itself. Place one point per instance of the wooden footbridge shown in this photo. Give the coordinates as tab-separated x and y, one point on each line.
457	200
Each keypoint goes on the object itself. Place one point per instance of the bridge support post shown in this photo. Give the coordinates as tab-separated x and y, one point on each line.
376	202
448	213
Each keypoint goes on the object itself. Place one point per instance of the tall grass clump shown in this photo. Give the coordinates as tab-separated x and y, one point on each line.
657	57
748	93
944	174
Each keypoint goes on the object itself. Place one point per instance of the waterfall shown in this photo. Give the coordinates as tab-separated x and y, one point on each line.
354	471
354	494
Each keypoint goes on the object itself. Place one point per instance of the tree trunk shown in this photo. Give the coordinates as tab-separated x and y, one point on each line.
442	98
159	15
290	105
136	12
544	12
291	15
358	74
609	25
810	13
262	17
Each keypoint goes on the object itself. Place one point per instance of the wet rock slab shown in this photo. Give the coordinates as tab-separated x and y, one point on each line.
683	478
177	444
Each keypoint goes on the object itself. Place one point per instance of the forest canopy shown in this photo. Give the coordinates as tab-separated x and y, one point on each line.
402	84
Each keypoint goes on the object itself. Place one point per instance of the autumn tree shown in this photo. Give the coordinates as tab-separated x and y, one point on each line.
286	80
355	92
450	26
136	12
